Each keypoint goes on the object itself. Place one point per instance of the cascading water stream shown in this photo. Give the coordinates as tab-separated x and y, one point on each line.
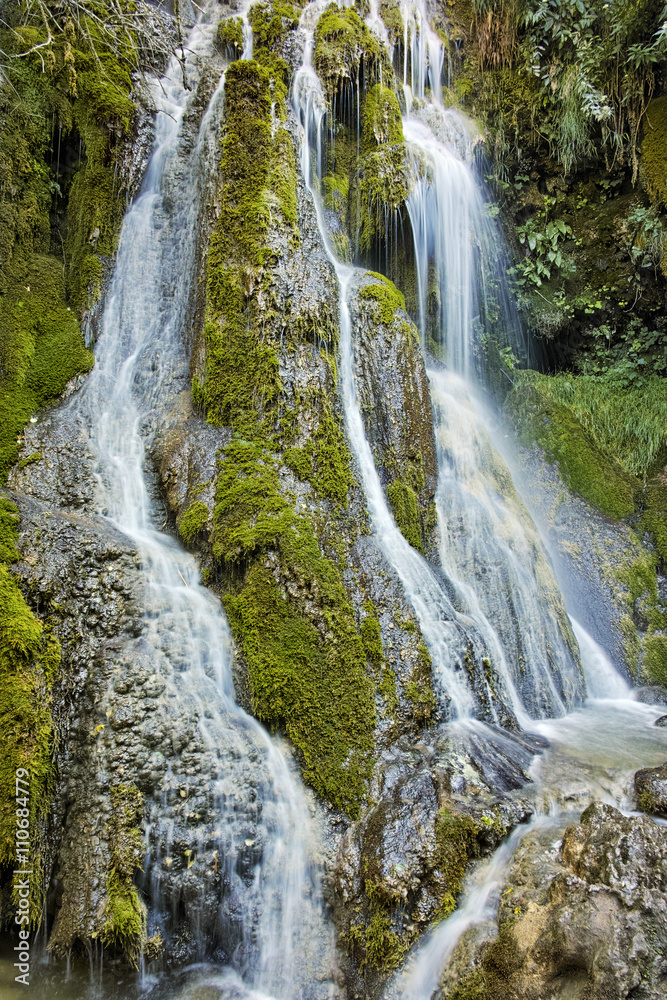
499	578
270	922
443	631
445	209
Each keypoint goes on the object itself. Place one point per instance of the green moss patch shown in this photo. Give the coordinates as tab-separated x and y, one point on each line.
381	119
324	461
306	670
311	682
403	500
344	47
229	37
541	419
501	958
125	917
193	521
259	179
654	150
42	349
287	607
456	845
73	89
29	660
390	12
387	296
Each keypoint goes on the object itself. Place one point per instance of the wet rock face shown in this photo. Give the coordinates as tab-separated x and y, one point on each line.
584	917
651	787
593	557
124	722
438	804
394	397
82	574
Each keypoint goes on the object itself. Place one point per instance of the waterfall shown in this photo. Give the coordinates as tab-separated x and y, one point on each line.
252	816
444	632
535	670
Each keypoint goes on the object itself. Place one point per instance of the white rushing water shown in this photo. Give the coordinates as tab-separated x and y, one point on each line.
452	231
444	631
271	922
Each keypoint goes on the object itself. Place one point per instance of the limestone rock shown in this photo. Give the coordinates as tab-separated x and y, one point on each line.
651	789
581	917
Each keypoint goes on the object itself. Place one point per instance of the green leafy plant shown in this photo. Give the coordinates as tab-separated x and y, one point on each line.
648	236
543	240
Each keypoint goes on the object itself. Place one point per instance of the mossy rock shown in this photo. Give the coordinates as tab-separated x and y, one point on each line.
386	295
270	23
403	500
381	119
390	12
344	48
229	37
543	421
315	686
42	350
259	190
29	661
193	521
654	150
125	916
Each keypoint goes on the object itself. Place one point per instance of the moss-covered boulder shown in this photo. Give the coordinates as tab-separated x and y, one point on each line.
402	865
569	916
345	50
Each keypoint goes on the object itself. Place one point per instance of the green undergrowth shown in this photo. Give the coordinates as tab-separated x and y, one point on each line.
609	443
74	89
66	104
654	150
40	351
29	660
542	418
125	917
626	422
